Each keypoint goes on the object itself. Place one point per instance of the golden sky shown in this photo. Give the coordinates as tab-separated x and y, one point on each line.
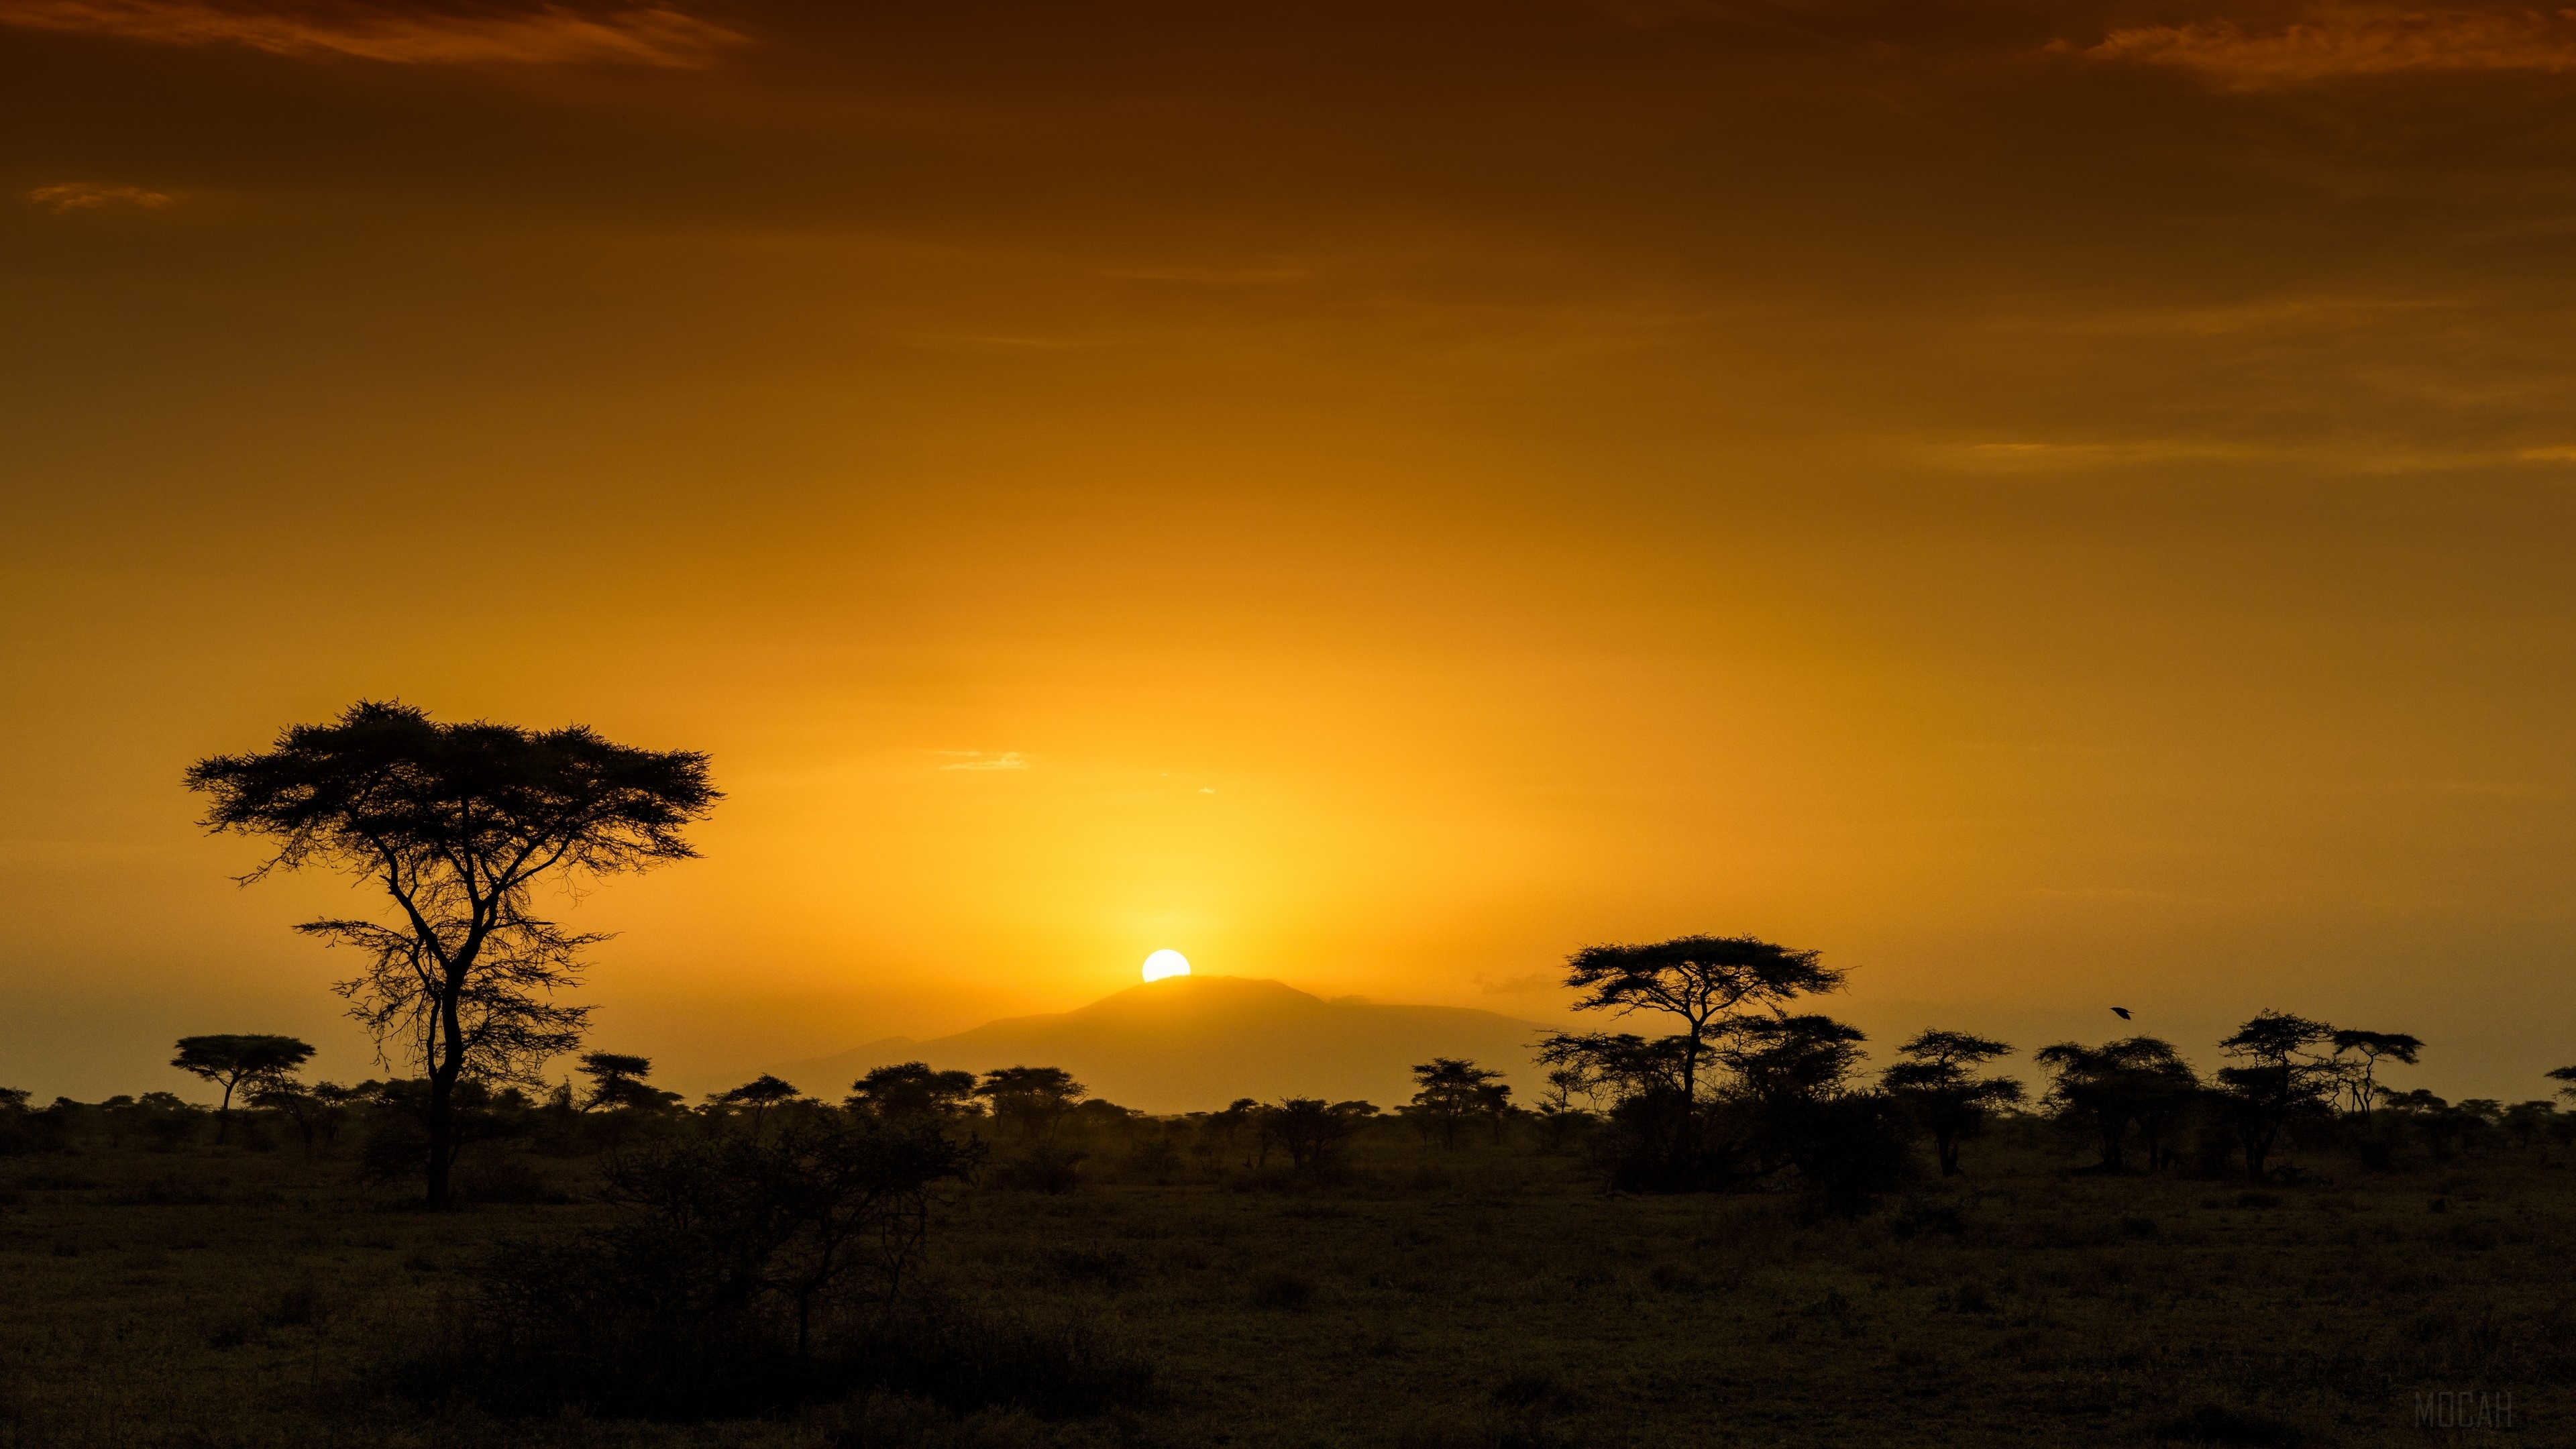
2056	505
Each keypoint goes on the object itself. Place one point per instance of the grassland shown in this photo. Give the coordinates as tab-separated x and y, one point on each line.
212	1298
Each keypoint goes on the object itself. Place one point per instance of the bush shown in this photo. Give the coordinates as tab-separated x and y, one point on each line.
744	1273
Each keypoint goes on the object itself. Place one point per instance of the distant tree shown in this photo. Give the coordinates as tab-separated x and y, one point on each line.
2526	1121
617	1083
2278	1075
2566	1075
2139	1081
1671	1127
316	1111
1558	1116
759	1094
235	1061
1238	1114
910	1091
1311	1129
1454	1089
1033	1100
1933	1080
1703	983
458	824
2357	1079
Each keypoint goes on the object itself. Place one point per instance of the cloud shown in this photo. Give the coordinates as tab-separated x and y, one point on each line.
2548	455
72	196
1517	985
980	760
2363	44
403	32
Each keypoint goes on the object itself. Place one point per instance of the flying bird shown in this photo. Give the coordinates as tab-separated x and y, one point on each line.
2121	1012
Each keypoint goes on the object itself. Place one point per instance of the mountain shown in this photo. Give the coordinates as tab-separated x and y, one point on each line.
1195	1043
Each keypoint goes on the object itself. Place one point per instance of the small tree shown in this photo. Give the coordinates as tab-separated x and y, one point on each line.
2138	1081
1034	1100
2278	1076
1312	1129
235	1061
2567	1076
2357	1079
617	1082
1453	1090
316	1111
911	1091
458	824
1932	1080
759	1094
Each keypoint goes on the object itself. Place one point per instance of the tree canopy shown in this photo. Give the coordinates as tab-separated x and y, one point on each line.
232	1061
456	824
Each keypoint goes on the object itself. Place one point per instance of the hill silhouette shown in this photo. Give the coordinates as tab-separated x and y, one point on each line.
1194	1043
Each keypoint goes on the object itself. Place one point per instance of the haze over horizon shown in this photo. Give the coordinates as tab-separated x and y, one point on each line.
2053	506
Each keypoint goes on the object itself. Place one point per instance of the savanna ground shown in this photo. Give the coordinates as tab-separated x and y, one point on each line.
1484	1297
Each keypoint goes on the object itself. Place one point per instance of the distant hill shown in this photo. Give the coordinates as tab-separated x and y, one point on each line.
1195	1043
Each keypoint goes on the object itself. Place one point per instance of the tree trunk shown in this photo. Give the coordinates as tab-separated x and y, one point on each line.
1947	1144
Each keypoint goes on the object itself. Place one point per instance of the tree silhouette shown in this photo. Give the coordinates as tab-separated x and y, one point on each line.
458	824
316	1111
1311	1128
231	1061
2137	1081
1034	1100
617	1082
759	1094
1932	1081
2359	1078
2566	1075
911	1090
1704	982
1455	1089
2279	1076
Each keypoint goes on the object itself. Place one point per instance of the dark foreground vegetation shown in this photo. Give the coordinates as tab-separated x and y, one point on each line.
769	1271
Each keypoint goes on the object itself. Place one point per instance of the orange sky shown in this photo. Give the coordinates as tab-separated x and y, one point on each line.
2053	504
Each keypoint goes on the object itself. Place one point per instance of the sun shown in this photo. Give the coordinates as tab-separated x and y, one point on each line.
1166	962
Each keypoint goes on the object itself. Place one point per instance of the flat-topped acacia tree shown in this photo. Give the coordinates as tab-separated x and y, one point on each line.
458	823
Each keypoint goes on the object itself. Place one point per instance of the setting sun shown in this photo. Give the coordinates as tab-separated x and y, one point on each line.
1166	963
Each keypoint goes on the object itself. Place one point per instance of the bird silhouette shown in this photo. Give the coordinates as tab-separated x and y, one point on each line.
2121	1012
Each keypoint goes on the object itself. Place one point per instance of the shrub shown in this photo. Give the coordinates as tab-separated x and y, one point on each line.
743	1273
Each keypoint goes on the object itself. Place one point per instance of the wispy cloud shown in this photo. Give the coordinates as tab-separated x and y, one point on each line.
2548	455
2354	44
982	760
403	32
72	196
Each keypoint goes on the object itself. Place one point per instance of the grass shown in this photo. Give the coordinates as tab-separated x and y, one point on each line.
1487	1297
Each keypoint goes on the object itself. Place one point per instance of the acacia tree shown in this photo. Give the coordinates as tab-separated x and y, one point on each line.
2137	1081
617	1082
2359	1078
2278	1076
909	1090
759	1094
1706	984
457	825
1455	1089
1932	1080
232	1061
1036	1100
